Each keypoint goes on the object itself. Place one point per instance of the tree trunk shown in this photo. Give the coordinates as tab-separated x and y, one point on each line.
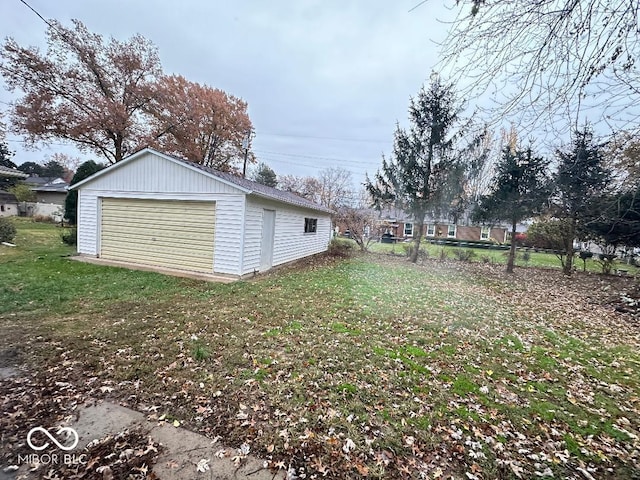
119	154
416	241
567	268
512	251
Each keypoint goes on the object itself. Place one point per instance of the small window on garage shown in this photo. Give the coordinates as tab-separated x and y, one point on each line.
310	225
451	231
408	229
485	233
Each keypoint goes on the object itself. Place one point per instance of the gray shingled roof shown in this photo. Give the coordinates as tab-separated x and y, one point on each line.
6	197
257	188
11	172
54	187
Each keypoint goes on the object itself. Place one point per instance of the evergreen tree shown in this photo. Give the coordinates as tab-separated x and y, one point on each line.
581	178
421	176
614	220
71	202
519	191
5	161
264	175
31	168
53	169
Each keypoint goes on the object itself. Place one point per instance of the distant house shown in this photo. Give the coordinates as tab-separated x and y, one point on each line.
38	181
401	227
6	172
8	201
453	231
8	204
51	193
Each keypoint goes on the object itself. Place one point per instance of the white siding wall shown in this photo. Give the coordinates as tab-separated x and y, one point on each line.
151	177
228	239
253	234
9	210
153	173
290	241
88	222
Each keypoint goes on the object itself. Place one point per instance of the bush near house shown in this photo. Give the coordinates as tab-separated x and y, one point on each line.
340	248
7	230
70	236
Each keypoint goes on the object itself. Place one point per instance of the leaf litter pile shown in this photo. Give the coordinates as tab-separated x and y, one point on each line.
36	400
368	367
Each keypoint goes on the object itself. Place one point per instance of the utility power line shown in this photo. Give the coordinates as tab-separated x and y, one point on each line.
339	139
38	14
315	157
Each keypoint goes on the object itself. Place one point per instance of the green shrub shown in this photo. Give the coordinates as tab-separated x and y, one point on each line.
606	261
200	352
464	255
7	230
70	236
23	193
42	219
340	248
408	249
584	256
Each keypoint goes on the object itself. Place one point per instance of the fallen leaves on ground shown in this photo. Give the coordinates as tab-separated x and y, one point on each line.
376	368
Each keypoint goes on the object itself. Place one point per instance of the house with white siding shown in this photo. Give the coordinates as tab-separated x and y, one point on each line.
158	210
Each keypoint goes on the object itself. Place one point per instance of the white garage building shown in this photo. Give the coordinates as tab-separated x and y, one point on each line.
159	210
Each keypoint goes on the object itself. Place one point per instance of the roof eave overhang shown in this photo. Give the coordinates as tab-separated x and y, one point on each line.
295	204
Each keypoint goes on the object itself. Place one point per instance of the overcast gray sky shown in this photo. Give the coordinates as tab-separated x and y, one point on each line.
325	80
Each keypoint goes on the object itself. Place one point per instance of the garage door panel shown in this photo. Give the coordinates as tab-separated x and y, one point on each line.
168	215
166	233
162	205
140	233
186	263
171	230
165	247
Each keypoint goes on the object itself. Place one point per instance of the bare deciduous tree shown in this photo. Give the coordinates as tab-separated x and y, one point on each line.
540	59
335	187
307	187
69	162
360	219
623	154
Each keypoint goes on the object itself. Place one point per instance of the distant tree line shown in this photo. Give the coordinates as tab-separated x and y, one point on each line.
441	165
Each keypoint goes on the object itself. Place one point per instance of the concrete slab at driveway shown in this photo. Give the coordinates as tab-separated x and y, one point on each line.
149	268
183	449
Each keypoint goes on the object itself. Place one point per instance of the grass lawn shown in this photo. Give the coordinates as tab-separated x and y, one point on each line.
524	258
346	368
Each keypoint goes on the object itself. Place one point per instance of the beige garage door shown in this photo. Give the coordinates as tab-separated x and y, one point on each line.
164	233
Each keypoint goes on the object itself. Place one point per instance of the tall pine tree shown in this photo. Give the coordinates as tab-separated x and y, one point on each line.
519	191
265	175
581	178
420	175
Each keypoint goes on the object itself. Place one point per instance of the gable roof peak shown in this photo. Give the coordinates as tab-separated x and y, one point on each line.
248	187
